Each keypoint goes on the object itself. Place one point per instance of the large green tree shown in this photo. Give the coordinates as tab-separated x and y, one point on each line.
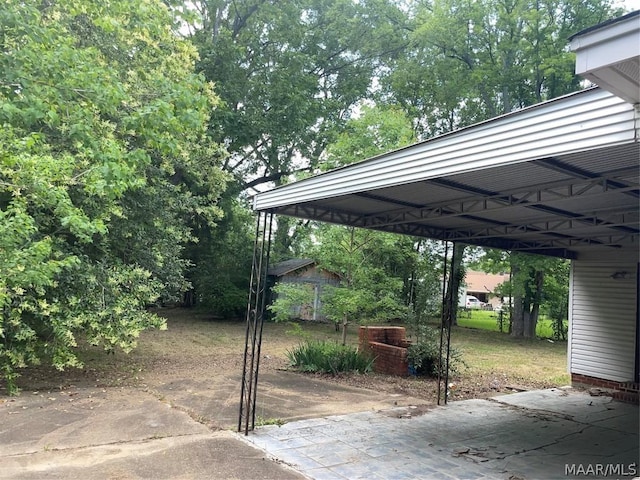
537	282
289	74
468	61
104	166
371	266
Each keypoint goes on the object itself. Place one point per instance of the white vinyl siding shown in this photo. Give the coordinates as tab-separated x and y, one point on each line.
603	320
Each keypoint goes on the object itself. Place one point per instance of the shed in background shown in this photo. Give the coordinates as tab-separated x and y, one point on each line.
303	271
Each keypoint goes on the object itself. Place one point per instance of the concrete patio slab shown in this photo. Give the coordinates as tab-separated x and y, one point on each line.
123	434
556	433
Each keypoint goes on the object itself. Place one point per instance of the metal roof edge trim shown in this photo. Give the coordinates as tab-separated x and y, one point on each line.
581	121
606	25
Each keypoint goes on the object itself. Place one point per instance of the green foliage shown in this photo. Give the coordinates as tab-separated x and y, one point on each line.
368	263
221	260
290	298
329	357
375	131
555	299
470	61
104	167
531	296
423	355
288	73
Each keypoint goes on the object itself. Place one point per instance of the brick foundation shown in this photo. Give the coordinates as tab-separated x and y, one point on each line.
623	391
389	347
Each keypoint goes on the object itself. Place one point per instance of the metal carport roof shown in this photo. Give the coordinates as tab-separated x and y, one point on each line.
559	178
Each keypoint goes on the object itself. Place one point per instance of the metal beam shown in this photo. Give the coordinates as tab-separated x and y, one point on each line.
490	201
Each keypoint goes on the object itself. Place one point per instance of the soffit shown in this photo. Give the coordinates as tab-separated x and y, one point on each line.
609	55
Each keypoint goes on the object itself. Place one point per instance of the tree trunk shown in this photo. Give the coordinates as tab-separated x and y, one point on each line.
517	323
344	330
532	321
526	309
453	286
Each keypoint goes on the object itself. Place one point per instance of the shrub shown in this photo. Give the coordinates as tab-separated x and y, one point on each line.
329	357
423	355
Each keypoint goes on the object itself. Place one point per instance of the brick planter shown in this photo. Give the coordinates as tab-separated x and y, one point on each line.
389	347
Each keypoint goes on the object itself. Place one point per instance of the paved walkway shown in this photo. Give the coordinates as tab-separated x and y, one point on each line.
548	434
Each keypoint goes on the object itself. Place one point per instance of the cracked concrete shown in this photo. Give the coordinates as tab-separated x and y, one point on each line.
94	433
556	433
97	434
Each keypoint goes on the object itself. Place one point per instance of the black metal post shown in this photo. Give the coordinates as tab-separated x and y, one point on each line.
449	320
255	322
442	316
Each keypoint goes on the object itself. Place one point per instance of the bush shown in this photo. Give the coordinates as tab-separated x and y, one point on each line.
423	355
329	357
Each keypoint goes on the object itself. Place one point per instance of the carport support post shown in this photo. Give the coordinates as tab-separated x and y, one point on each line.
255	321
446	322
442	314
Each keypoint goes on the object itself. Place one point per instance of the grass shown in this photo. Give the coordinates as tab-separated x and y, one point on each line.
488	320
485	350
530	360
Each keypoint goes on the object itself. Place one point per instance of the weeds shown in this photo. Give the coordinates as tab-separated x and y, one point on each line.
423	355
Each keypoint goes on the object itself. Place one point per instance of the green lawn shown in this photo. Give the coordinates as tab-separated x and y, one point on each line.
488	320
528	360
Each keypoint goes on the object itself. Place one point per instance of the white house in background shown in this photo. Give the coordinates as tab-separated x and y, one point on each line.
559	178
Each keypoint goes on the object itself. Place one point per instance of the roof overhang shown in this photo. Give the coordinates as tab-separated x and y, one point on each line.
609	56
559	178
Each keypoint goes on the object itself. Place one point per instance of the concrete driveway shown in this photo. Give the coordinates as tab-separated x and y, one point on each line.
178	430
537	435
98	434
337	432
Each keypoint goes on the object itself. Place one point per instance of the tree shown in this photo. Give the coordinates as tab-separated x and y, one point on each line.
375	131
535	281
289	75
220	267
471	61
368	291
104	165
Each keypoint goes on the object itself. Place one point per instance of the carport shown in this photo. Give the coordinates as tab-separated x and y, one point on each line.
559	178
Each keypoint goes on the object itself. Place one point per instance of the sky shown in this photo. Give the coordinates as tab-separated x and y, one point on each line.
629	4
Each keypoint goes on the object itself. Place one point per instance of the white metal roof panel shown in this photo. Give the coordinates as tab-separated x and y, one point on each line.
559	179
586	120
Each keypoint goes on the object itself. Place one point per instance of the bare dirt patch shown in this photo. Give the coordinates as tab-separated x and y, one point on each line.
197	364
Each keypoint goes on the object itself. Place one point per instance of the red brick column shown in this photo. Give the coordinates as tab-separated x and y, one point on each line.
389	347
